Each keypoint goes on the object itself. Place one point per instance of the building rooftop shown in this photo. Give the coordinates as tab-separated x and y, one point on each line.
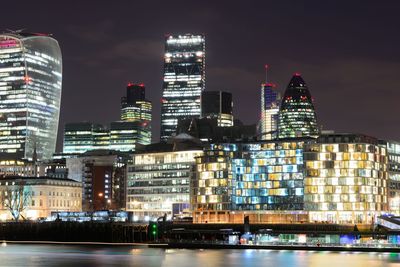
35	180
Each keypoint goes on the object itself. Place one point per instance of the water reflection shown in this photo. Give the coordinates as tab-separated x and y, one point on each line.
76	256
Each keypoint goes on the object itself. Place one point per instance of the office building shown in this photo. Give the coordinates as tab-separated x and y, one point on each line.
158	180
84	136
126	135
40	196
211	185
135	107
207	130
184	80
297	115
346	179
134	127
102	173
393	150
217	105
17	168
270	101
262	180
30	95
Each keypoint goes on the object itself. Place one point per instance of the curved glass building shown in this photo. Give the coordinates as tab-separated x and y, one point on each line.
297	115
30	94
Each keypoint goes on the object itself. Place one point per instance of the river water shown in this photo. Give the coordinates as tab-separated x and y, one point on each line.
75	256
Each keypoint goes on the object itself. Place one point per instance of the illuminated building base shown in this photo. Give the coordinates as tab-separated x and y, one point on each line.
344	217
254	216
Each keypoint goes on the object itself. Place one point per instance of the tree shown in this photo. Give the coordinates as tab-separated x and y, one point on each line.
16	198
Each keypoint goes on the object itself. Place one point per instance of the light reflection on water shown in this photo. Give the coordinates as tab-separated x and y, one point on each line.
76	256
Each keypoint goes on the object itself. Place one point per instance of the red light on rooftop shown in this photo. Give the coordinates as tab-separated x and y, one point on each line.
141	84
27	79
130	84
271	85
297	74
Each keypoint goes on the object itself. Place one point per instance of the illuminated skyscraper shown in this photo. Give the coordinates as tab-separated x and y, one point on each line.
297	115
217	105
270	101
184	80
133	128
136	108
30	94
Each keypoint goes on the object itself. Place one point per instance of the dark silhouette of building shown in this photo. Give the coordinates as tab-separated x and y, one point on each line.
217	105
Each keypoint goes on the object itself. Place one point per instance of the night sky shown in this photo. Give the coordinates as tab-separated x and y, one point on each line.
348	52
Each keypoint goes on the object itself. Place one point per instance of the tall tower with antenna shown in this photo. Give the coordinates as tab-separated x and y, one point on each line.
270	102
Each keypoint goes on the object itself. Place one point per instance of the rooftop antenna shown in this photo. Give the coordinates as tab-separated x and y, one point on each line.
266	73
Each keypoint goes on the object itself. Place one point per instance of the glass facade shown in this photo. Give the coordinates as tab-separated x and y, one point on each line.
217	105
346	179
125	135
134	127
393	149
135	108
84	136
211	183
30	94
158	183
184	80
263	180
297	115
269	176
270	101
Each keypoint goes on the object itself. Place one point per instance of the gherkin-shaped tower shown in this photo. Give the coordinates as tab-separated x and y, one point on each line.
297	114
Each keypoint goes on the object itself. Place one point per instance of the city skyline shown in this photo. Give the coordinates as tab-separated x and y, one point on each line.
354	63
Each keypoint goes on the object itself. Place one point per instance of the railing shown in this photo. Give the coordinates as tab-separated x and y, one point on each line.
285	244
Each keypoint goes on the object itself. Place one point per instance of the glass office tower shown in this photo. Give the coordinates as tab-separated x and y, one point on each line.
297	115
136	111
135	106
80	137
184	80
30	94
270	100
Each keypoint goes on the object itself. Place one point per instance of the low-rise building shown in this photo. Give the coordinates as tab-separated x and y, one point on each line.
346	179
38	196
262	180
158	180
